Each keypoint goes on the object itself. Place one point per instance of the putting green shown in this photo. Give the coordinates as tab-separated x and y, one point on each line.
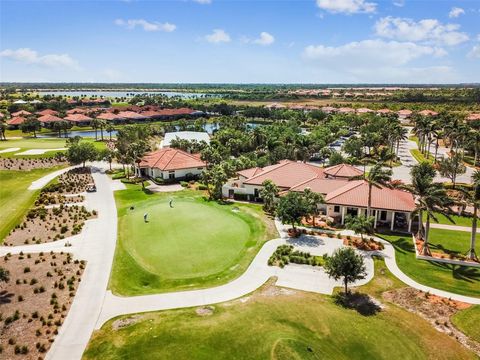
196	243
190	239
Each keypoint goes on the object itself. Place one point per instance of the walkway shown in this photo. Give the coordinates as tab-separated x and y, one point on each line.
300	277
452	227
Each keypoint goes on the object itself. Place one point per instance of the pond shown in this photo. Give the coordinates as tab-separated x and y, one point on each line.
82	133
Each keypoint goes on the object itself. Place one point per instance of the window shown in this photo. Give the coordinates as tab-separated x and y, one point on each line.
200	168
171	174
336	208
383	215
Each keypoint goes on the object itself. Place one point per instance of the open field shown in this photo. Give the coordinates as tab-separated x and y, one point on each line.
458	279
276	323
195	244
468	321
15	197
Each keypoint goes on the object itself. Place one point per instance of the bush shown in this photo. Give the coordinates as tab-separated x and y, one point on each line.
184	184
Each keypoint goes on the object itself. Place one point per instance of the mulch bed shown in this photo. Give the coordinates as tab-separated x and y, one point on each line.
35	301
365	245
30	164
435	309
43	225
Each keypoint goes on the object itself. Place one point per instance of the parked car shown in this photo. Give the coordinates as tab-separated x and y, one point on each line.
91	188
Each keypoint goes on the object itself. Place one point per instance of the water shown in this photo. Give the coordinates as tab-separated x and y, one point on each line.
127	94
82	133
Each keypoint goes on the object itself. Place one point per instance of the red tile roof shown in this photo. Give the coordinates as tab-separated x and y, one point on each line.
355	193
109	116
16	120
384	111
321	186
21	113
364	110
47	112
248	173
343	171
168	159
131	115
77	118
428	113
404	112
78	111
472	117
49	118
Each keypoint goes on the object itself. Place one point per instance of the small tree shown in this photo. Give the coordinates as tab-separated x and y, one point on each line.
292	208
4	275
81	152
346	264
107	155
312	199
360	224
30	125
268	193
452	167
214	179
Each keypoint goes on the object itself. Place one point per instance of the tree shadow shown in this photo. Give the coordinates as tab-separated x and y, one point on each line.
5	297
464	273
362	303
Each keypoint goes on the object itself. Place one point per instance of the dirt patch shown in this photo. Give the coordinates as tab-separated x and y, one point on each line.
365	244
123	323
435	309
35	301
47	198
43	225
205	311
30	164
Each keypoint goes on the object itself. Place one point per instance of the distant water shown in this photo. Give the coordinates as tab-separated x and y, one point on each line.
82	133
119	94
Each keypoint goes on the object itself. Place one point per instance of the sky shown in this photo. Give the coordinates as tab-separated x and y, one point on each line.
237	41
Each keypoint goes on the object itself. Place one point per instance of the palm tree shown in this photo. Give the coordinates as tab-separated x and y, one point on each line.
3	129
313	199
110	128
95	124
431	197
101	125
474	199
378	177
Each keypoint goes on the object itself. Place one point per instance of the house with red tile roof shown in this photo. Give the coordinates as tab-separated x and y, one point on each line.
21	113
15	122
428	113
343	194
170	164
131	115
111	117
473	117
78	119
47	112
49	119
404	115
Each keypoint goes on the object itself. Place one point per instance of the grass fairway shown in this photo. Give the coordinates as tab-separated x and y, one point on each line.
458	279
195	244
39	143
15	199
468	321
277	324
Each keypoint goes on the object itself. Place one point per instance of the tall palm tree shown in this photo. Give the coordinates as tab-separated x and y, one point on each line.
95	124
378	177
475	201
431	198
110	128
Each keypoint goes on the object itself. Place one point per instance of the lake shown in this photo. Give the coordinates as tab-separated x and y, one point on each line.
128	94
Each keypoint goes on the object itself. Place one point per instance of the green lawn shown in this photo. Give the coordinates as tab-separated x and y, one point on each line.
420	157
450	241
15	199
458	279
458	220
195	244
286	325
39	143
468	321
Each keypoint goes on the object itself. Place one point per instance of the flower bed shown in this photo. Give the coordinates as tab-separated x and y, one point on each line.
285	255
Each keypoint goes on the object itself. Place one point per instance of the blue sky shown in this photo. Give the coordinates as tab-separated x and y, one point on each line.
306	41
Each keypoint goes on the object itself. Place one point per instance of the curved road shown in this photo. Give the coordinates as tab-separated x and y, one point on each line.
93	304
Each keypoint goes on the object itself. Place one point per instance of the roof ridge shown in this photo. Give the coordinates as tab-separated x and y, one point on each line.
303	182
347	187
279	165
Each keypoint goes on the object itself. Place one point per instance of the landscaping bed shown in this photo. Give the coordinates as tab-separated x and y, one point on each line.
43	225
284	254
35	301
436	310
74	181
29	164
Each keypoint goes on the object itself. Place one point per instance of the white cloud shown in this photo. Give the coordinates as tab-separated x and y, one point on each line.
399	3
376	61
146	25
456	12
218	36
29	56
426	30
347	6
475	52
203	2
264	39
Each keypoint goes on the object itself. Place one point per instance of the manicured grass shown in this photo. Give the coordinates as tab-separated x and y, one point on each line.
458	220
39	143
451	242
457	279
197	243
468	321
420	157
15	199
269	324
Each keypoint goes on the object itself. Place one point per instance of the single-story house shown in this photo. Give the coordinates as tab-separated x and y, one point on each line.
78	119
428	113
15	122
184	135
110	116
21	113
343	194
49	119
170	164
47	112
404	115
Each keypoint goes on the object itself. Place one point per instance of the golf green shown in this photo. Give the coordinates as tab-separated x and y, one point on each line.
192	243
